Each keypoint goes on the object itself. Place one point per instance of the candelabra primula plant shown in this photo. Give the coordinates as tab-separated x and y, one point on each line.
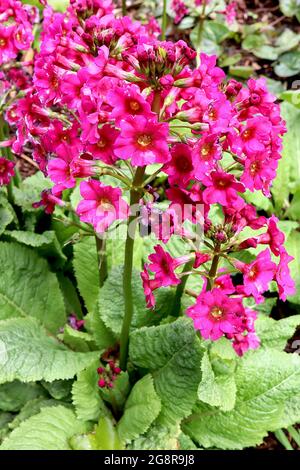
156	137
108	98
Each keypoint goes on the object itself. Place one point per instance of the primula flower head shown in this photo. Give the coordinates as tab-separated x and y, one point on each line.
143	139
101	205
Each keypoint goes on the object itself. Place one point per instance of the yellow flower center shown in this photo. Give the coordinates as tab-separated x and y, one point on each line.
134	105
216	312
144	140
101	143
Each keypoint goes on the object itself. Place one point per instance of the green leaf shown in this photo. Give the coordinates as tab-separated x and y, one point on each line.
288	65
173	353
276	333
266	380
50	429
31	408
28	288
216	390
58	389
158	438
259	200
86	271
111	307
290	7
104	437
291	96
46	243
77	340
241	71
71	299
291	142
293	211
141	409
292	246
29	353
281	185
6	217
30	191
100	333
14	395
88	403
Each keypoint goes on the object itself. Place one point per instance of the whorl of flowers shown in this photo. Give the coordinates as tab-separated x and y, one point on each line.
107	98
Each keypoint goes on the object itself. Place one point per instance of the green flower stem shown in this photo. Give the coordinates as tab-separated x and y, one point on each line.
135	194
124	7
213	271
200	33
102	259
164	21
180	288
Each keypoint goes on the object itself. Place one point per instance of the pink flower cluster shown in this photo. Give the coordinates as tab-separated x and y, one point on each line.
16	22
107	98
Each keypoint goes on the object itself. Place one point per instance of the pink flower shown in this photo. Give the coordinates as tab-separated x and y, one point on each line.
230	12
48	201
181	168
242	342
59	171
205	153
273	237
127	101
144	140
6	171
216	314
163	265
286	284
103	148
259	172
180	9
149	285
255	136
101	205
222	188
257	275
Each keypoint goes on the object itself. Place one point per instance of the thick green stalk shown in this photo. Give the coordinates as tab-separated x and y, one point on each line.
200	33
102	260
180	288
164	20
213	271
135	194
124	7
281	437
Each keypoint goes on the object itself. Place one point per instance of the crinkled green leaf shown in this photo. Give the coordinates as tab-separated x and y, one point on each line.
102	336
111	302
14	395
31	408
30	190
6	217
292	245
276	333
141	409
58	389
28	288
158	438
46	243
104	437
216	389
266	380
173	353
28	353
77	340
50	429
88	403
86	271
